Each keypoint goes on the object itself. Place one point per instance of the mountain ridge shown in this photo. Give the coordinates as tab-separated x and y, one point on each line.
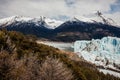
68	31
49	23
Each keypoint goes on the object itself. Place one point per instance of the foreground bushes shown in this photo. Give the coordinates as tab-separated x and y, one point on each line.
30	68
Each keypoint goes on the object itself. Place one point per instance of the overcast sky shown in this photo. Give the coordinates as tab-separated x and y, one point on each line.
60	9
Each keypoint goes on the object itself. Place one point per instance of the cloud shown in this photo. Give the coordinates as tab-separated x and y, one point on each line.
59	8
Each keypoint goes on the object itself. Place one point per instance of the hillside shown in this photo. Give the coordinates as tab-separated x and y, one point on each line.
21	58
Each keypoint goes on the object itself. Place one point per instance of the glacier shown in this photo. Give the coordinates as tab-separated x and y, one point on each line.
102	52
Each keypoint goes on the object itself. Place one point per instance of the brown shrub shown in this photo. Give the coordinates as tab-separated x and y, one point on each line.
53	69
29	68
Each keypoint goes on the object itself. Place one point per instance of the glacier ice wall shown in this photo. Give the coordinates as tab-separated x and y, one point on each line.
105	51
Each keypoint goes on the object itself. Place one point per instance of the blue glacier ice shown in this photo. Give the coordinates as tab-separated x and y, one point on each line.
105	51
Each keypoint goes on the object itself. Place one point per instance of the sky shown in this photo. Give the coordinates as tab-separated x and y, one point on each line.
61	9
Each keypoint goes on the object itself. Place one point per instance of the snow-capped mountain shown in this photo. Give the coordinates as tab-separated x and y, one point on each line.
51	29
13	19
102	52
48	23
75	29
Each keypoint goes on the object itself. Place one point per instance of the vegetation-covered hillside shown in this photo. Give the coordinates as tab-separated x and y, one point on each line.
21	58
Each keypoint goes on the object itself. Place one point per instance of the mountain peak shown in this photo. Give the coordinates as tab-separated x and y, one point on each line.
81	19
75	19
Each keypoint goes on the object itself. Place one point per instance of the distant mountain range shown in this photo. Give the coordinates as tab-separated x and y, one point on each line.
67	31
